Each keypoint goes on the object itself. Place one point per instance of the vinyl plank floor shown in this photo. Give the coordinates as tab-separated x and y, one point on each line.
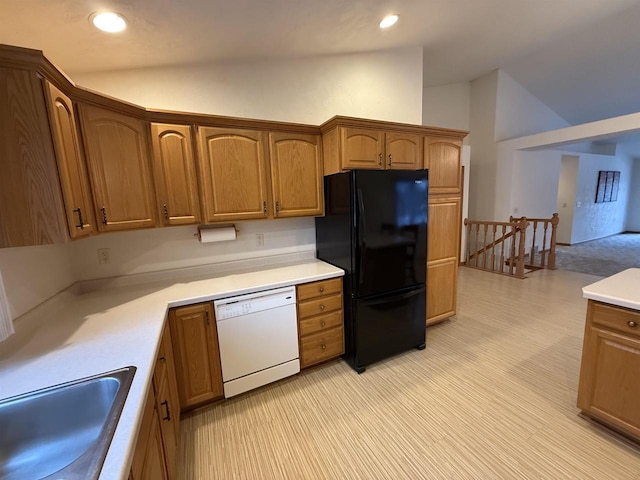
493	396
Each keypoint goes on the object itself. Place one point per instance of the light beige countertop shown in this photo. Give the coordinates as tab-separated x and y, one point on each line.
621	289
76	335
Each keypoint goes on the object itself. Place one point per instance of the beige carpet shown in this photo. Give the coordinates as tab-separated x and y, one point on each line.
604	257
491	397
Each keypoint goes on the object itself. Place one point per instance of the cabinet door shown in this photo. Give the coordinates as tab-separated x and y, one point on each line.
609	387
442	278
31	209
174	171
296	174
362	148
148	457
167	403
403	151
73	173
167	414
233	174
443	228
117	148
443	243
443	159
197	355
154	466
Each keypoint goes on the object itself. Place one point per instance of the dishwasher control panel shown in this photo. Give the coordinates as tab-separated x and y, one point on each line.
253	303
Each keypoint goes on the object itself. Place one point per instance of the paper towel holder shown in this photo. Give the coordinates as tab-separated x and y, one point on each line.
213	227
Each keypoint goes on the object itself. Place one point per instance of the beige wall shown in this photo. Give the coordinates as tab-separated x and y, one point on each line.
32	274
379	85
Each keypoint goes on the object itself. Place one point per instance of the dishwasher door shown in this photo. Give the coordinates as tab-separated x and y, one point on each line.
258	337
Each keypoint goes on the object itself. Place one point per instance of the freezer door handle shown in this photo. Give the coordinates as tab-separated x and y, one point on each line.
395	298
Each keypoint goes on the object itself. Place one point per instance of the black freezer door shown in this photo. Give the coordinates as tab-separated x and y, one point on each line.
387	325
390	230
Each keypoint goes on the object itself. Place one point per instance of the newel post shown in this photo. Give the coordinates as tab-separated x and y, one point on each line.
552	248
522	226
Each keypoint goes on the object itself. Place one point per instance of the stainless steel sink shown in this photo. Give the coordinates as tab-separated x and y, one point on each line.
64	431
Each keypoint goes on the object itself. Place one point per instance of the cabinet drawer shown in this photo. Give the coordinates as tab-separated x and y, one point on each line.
318	289
321	346
319	323
616	318
319	306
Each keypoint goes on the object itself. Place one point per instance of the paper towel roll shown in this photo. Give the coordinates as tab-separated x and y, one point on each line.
217	234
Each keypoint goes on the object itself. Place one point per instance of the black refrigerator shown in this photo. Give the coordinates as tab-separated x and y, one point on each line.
375	228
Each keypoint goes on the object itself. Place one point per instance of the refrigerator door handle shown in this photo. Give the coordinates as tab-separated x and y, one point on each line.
395	298
362	227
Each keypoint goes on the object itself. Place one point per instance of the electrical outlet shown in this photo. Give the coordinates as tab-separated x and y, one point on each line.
259	239
104	256
515	210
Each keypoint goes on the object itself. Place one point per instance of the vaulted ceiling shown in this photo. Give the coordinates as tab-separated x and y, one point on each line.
580	57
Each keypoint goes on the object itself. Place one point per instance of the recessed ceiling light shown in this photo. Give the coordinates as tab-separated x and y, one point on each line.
109	22
388	21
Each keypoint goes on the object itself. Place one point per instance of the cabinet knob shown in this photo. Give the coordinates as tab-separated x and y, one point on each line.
321	289
324	347
323	323
163	359
321	307
632	324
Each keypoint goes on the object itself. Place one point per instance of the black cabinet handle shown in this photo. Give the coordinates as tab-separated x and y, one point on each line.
80	221
166	407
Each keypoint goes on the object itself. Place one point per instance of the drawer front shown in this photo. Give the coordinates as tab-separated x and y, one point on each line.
319	323
319	289
321	346
319	306
616	318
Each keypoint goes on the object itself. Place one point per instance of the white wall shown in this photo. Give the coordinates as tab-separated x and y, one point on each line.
482	181
142	251
33	274
519	113
567	186
535	183
447	106
379	85
633	207
596	220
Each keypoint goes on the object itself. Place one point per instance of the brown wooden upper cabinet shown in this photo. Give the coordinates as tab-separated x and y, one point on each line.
233	174
443	159
31	208
362	148
117	148
296	174
73	172
175	174
377	150
403	151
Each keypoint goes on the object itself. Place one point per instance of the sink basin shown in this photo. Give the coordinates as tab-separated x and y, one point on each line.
64	431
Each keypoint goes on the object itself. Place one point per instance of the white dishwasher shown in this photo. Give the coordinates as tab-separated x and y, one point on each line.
258	336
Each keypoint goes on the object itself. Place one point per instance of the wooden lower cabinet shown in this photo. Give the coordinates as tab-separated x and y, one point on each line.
609	389
197	354
320	321
443	256
442	276
148	457
156	451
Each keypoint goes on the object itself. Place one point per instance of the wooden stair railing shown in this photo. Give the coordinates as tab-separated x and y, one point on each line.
502	246
546	257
